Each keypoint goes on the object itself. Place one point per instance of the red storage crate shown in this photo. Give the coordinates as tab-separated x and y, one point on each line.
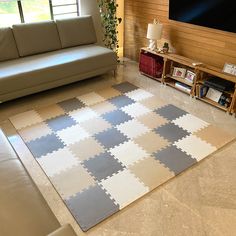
151	64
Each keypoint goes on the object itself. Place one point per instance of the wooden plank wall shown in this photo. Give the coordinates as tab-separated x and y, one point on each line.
210	46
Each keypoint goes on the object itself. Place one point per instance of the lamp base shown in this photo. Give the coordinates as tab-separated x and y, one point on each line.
152	45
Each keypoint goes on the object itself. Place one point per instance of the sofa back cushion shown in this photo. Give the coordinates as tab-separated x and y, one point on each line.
76	31
8	49
34	38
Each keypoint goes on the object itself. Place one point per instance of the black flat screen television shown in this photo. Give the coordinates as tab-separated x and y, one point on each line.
217	14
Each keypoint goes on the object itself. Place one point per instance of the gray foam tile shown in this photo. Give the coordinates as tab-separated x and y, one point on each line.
91	207
102	166
110	138
170	112
45	145
116	117
71	104
171	132
60	122
174	159
125	87
121	101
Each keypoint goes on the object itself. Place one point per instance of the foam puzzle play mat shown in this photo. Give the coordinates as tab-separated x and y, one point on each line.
105	149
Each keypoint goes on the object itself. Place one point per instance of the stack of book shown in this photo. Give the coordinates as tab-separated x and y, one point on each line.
201	90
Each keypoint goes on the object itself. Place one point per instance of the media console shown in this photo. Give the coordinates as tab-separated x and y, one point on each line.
150	61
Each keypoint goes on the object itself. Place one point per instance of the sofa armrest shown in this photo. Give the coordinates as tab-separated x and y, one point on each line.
65	230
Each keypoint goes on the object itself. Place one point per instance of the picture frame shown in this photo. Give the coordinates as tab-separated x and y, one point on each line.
179	72
229	69
190	76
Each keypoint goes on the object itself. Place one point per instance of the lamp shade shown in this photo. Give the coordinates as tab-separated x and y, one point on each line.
154	31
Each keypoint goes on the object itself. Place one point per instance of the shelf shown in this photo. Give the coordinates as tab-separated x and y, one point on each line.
172	84
216	104
217	72
231	93
184	81
152	77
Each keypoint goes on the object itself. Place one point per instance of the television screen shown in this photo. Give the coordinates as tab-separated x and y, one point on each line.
217	14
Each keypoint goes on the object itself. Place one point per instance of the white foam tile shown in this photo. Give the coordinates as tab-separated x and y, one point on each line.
139	95
132	128
25	119
128	153
83	114
72	134
91	98
135	110
195	147
54	163
124	188
190	123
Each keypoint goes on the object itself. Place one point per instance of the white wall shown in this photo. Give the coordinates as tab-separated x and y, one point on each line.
90	7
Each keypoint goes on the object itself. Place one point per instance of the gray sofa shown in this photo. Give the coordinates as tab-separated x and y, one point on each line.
39	56
24	212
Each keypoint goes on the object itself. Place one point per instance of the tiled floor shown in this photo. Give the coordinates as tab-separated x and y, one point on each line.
201	201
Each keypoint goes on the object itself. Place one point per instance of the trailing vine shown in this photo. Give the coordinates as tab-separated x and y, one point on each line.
110	22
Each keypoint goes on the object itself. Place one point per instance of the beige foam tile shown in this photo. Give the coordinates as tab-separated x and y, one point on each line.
152	120
35	131
132	128
25	119
215	136
151	142
50	112
108	93
153	103
124	188
72	181
86	149
151	172
95	125
195	147
103	107
91	98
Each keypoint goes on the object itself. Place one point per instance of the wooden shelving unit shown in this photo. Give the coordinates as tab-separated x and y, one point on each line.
202	72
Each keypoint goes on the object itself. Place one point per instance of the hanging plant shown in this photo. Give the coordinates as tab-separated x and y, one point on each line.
110	22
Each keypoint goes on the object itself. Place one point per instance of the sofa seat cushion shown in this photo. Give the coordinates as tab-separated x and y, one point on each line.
76	31
24	212
52	66
8	49
34	38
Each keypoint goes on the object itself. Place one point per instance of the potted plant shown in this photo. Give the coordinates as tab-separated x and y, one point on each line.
110	21
165	47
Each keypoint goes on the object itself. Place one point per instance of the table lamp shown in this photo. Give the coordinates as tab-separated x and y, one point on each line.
154	33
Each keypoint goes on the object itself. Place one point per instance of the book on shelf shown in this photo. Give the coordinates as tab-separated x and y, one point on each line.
213	94
201	90
183	87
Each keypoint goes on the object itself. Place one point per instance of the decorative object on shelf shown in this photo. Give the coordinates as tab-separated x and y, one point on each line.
230	69
110	22
165	48
190	76
225	100
179	72
213	94
154	33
